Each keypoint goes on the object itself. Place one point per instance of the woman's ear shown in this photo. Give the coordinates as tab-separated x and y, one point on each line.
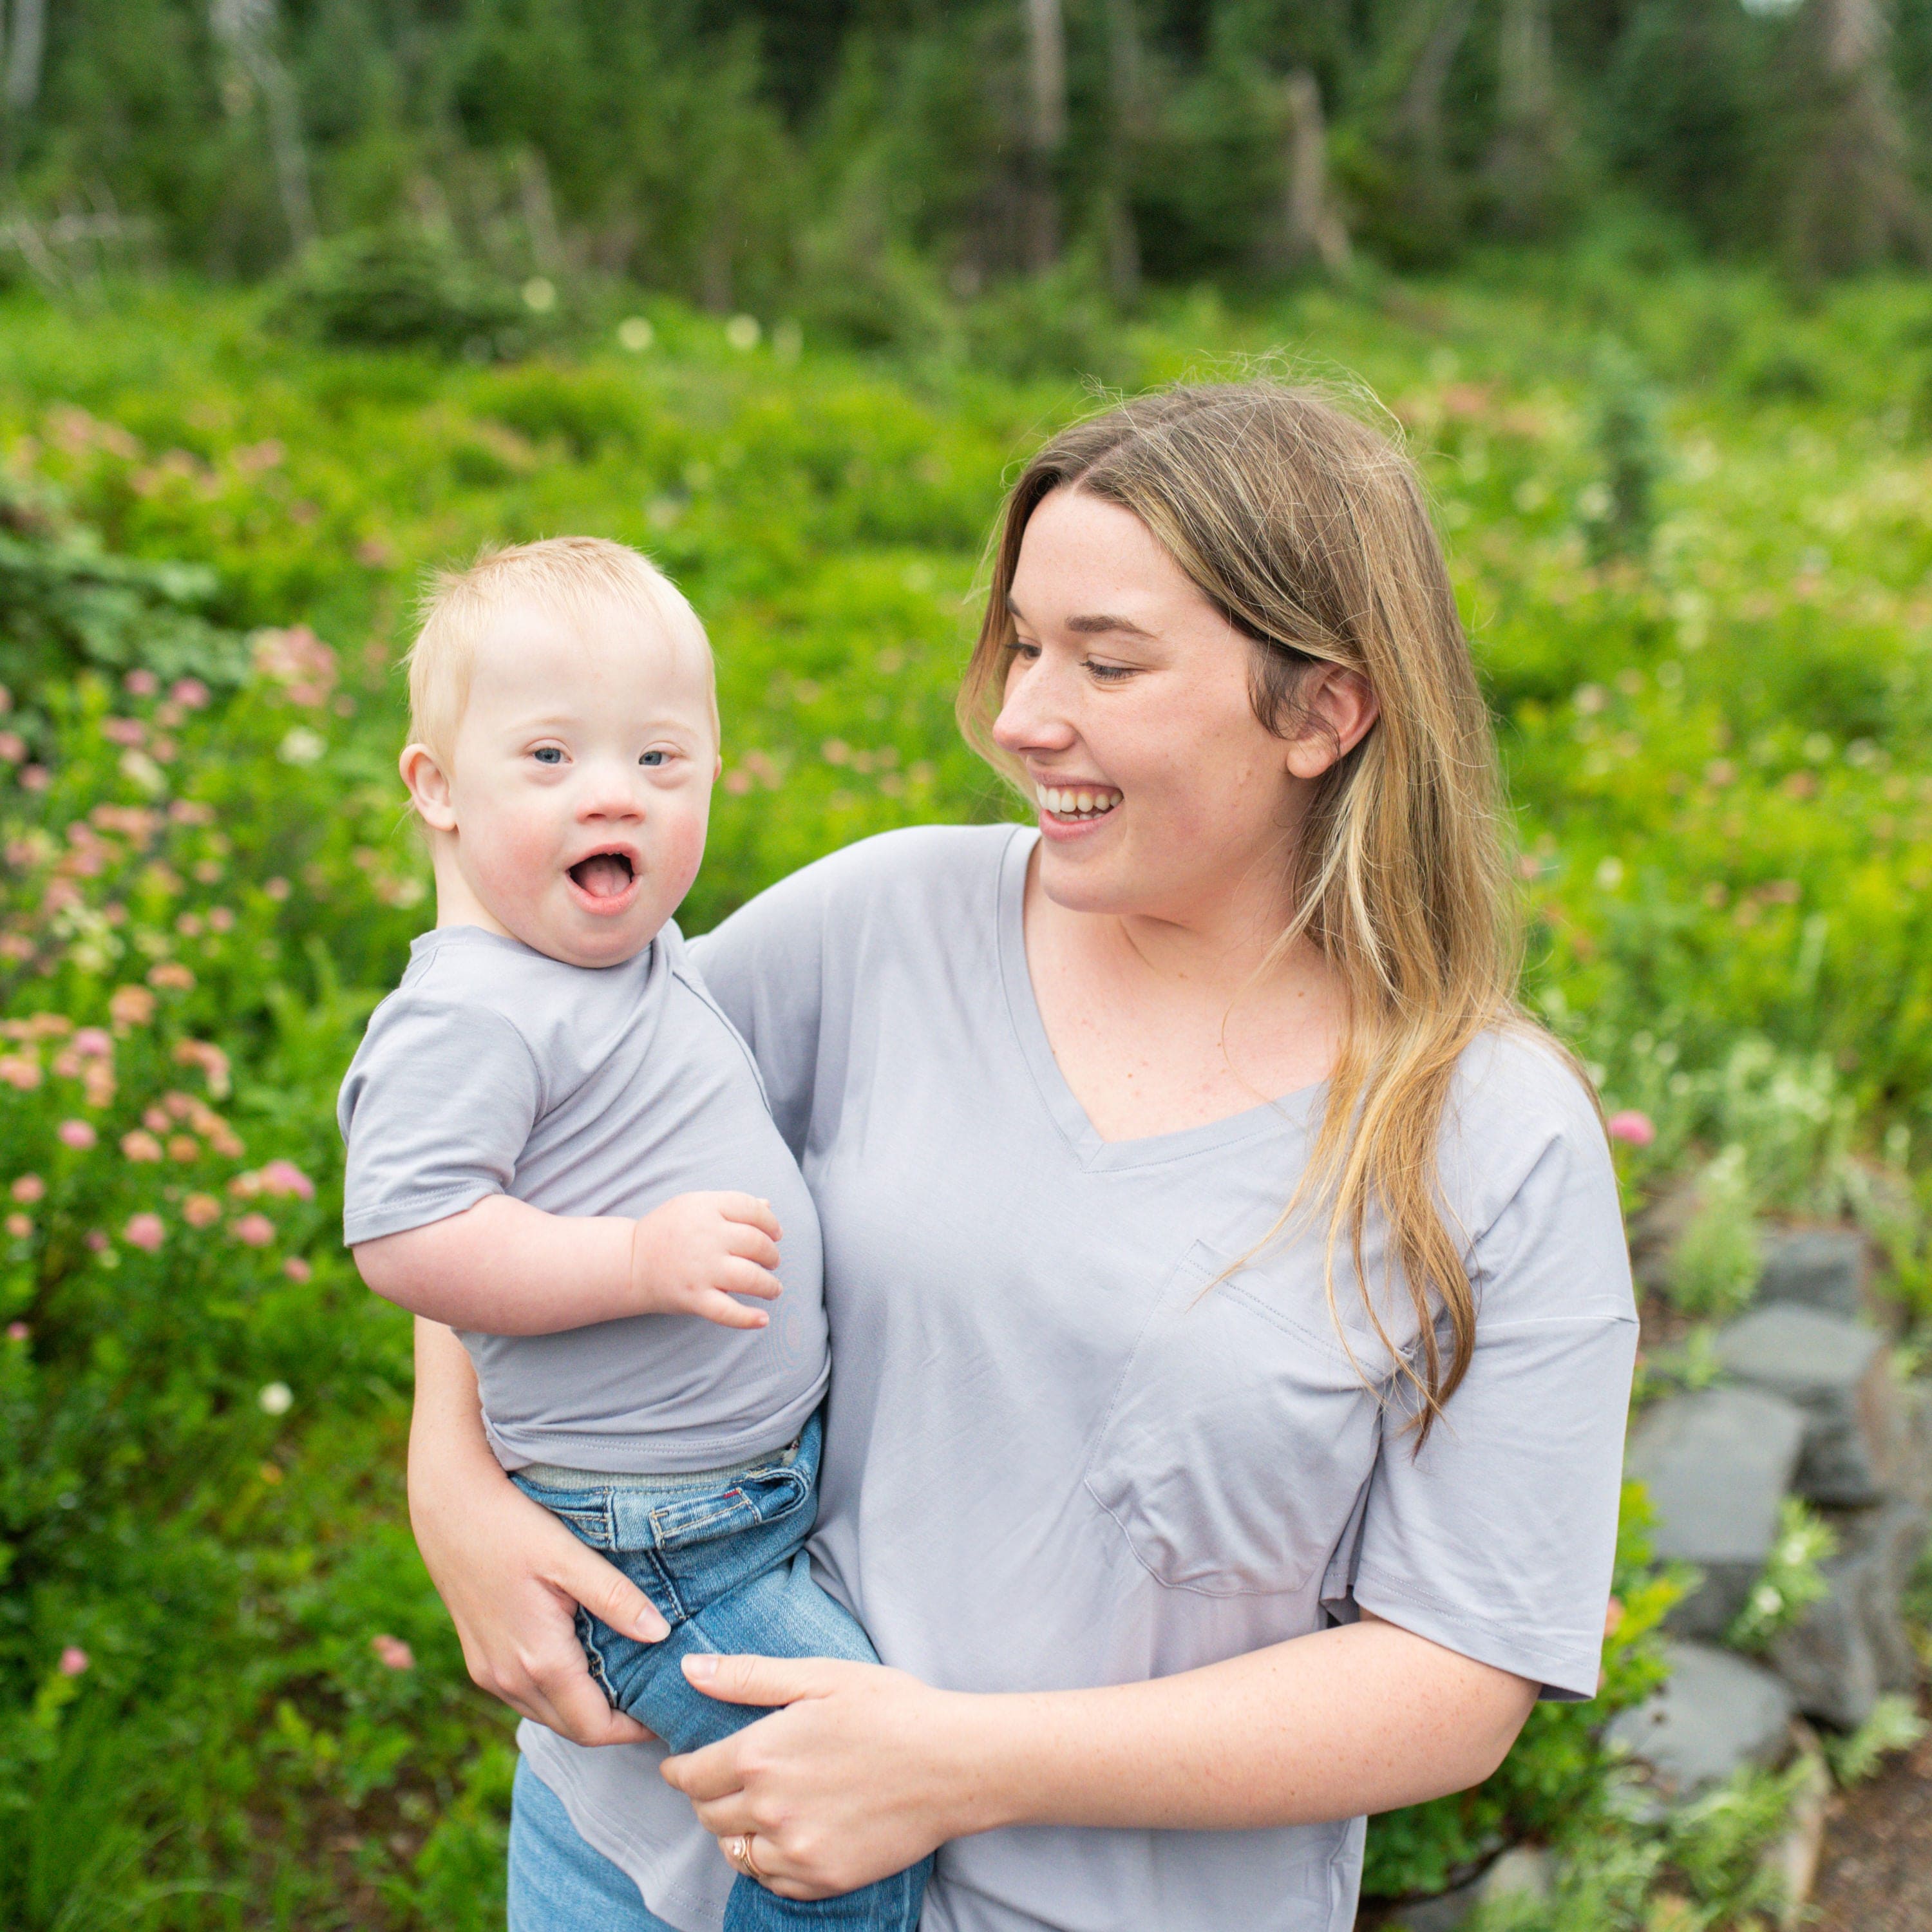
1336	708
429	788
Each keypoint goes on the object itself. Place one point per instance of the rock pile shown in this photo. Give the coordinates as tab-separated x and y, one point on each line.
1808	1406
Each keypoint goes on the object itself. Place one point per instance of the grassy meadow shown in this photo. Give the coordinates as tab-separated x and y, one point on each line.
1691	522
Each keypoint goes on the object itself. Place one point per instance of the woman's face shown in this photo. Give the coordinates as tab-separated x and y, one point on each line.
1160	793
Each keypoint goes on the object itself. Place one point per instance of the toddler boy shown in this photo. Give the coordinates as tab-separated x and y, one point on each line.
558	1145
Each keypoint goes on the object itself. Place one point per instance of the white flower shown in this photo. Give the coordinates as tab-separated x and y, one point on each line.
540	294
301	746
635	333
743	331
276	1399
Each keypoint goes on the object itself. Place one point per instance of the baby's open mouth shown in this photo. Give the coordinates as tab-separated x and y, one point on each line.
605	875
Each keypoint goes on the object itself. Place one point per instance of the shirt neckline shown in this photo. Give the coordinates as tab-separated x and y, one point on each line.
1291	1113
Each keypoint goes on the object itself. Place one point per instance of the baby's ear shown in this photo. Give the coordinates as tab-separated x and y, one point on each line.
429	788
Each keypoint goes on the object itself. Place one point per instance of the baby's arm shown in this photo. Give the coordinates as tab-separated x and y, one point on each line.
503	1267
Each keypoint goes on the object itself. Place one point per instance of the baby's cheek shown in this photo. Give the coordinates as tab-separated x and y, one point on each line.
683	850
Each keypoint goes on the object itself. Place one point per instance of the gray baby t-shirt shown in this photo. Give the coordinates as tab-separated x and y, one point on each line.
493	1069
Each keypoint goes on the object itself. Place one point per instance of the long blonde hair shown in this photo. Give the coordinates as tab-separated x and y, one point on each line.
1308	531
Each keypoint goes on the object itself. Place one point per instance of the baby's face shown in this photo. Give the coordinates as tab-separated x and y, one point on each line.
582	779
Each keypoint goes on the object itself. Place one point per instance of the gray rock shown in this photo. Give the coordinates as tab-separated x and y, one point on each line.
1851	1645
1914	1476
1823	1268
1718	1713
1717	1464
1837	1372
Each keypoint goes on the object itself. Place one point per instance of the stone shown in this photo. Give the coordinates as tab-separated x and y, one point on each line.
1913	1477
1821	1268
1793	1857
1522	1872
1838	1372
1717	1464
1851	1646
1718	1713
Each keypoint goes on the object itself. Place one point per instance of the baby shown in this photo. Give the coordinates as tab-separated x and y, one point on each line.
558	1146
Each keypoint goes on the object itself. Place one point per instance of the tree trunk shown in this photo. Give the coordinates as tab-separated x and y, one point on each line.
246	27
1854	202
25	48
1046	127
1314	230
1124	80
1529	152
1428	197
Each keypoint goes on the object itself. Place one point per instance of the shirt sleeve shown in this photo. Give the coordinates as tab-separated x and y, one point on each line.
436	1110
765	966
1497	1539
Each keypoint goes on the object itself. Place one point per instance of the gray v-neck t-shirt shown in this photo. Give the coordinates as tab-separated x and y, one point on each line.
1072	1439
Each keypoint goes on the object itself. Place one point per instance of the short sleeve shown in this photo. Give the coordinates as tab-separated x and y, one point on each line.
1498	1538
436	1110
765	967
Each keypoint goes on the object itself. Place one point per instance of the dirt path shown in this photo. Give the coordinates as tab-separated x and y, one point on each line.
1876	1872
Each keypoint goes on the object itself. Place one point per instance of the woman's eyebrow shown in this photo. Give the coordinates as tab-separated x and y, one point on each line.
1094	624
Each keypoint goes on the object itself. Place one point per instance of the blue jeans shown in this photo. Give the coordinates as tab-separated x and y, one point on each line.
559	1883
722	1556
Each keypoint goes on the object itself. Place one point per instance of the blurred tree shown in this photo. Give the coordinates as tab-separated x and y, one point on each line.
1046	127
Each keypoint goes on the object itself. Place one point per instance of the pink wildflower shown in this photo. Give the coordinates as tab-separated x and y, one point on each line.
73	1660
142	683
144	1231
22	1070
296	1269
19	1226
130	1006
35	778
12	747
28	1188
1632	1126
190	691
93	1043
257	1230
76	1134
282	1177
393	1652
201	1210
18	1331
97	1241
140	1145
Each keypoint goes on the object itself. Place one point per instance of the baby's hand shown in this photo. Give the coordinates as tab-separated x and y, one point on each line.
691	1256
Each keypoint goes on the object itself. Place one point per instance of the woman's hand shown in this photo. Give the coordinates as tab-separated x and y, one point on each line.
510	1573
860	1775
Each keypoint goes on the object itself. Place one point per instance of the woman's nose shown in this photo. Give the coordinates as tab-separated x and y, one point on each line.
1031	719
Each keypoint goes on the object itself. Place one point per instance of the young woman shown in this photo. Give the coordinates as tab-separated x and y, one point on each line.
1231	1323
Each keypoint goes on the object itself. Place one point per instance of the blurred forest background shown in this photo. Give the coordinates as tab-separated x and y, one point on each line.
300	299
855	161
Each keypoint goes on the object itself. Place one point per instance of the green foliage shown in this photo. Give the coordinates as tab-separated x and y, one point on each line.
1894	1725
405	286
1791	1580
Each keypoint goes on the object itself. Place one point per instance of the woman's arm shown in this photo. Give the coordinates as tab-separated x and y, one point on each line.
866	1770
510	1573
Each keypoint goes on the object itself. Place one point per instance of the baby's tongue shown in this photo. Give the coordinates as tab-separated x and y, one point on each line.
605	876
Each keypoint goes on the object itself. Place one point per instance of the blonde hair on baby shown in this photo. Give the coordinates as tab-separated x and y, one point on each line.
572	575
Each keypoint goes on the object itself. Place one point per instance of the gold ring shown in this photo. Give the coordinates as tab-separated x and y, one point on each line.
751	1864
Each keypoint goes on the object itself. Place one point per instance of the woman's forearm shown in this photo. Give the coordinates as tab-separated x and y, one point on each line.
1362	1718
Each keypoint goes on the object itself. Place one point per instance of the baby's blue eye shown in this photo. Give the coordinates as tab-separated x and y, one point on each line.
548	754
651	758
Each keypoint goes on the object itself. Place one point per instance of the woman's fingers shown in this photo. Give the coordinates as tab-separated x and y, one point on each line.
607	1593
765	1680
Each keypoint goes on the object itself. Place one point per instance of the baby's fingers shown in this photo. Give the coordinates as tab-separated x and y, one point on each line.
716	1306
751	1210
742	1277
753	1244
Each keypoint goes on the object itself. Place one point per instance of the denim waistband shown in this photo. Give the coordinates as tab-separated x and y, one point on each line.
549	1476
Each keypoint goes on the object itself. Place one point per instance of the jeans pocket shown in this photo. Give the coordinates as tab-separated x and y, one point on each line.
587	1513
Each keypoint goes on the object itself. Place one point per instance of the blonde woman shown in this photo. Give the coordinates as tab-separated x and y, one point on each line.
1231	1323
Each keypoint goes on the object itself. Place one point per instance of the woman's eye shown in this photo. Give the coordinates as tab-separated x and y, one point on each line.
1020	648
653	758
548	754
1110	674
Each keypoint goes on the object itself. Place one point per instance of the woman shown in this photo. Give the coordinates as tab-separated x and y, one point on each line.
1231	1329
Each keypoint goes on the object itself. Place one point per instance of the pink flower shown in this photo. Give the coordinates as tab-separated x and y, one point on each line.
28	1188
18	1331
35	778
76	1134
73	1660
142	683
296	1269
22	1070
129	731
393	1652
201	1210
97	1241
19	1226
12	747
93	1043
140	1145
1632	1126
144	1231
130	1006
190	691
256	1230
282	1177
